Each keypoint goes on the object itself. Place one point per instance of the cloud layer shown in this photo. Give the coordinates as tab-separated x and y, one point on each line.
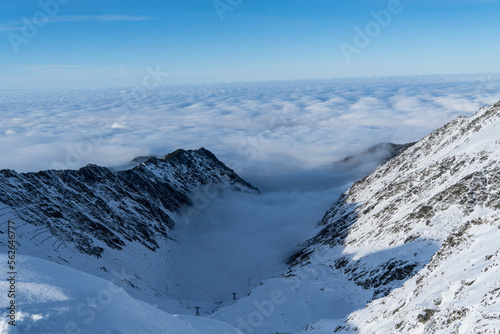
260	127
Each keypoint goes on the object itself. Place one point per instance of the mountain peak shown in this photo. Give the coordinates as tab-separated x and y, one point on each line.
115	208
185	153
408	224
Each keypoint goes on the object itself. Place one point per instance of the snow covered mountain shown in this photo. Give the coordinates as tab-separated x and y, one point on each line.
438	198
417	239
116	225
411	248
53	298
93	207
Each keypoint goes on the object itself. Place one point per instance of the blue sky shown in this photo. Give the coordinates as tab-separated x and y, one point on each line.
112	43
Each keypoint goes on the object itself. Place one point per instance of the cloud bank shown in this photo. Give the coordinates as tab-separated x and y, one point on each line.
239	240
262	128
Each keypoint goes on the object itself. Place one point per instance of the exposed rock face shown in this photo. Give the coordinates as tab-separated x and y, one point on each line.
438	198
93	206
116	225
456	292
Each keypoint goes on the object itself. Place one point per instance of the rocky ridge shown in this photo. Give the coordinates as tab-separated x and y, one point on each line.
398	231
102	221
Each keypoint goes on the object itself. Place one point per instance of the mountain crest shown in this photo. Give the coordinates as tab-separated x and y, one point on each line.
431	199
115	208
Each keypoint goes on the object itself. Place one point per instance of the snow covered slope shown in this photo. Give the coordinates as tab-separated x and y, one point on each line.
419	236
115	225
93	207
457	292
52	298
441	194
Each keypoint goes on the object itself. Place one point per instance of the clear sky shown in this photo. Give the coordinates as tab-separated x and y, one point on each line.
90	43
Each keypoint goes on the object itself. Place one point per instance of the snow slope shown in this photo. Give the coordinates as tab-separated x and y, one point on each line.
115	225
53	298
457	292
442	192
390	239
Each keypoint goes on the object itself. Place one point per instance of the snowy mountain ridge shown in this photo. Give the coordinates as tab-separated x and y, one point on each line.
410	248
427	208
104	222
93	207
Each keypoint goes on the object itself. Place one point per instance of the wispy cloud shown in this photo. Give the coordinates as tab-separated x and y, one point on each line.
79	19
10	27
99	18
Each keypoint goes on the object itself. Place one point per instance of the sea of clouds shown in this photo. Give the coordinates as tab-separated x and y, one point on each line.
262	128
282	137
